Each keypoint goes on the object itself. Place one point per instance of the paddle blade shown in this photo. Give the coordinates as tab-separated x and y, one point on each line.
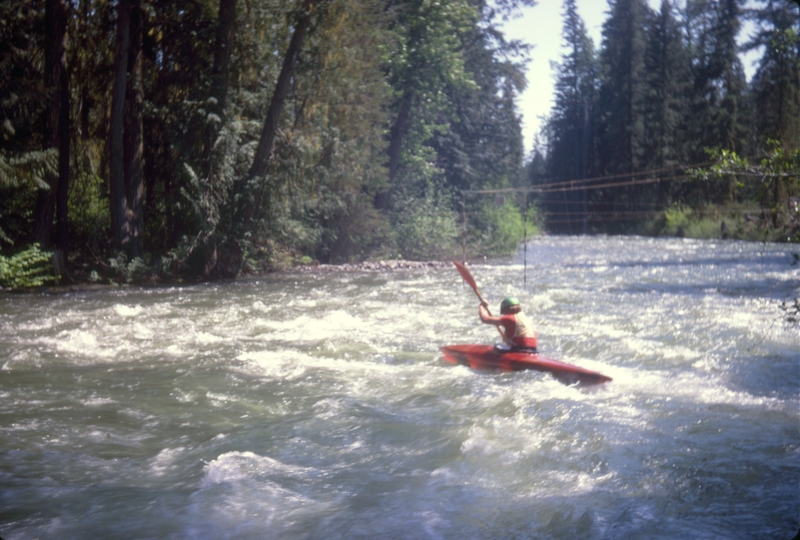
466	275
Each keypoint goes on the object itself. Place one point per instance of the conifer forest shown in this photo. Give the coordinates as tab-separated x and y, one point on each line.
208	139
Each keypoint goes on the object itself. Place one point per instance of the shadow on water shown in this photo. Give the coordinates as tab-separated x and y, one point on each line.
773	376
766	287
776	260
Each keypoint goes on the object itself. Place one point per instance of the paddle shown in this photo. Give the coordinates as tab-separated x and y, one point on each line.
465	273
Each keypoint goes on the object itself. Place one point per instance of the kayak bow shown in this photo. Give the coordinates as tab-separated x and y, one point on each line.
488	357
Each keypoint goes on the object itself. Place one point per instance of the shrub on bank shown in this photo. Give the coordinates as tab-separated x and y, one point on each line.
31	267
499	230
734	221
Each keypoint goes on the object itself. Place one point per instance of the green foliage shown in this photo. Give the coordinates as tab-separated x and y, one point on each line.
88	207
28	268
203	216
28	169
709	222
134	270
352	229
482	146
677	220
499	230
774	182
776	83
20	177
426	228
208	202
394	108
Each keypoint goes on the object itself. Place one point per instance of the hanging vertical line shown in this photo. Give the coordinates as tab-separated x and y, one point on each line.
464	227
525	242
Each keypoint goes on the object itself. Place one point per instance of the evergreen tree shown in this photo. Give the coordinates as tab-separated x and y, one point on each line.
482	146
667	65
25	167
622	96
56	129
719	114
719	80
776	83
428	59
571	117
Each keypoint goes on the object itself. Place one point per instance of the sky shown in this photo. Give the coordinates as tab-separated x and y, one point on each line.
540	26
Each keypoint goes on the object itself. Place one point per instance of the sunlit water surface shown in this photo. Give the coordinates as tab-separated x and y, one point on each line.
316	406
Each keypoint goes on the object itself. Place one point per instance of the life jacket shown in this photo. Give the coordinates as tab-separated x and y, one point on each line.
523	334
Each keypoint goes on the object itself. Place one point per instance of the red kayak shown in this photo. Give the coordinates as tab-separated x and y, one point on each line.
488	357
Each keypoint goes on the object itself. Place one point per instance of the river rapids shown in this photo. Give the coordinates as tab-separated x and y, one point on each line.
315	405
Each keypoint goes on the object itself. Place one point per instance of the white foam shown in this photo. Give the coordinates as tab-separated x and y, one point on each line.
204	338
165	460
233	467
95	401
81	343
127	311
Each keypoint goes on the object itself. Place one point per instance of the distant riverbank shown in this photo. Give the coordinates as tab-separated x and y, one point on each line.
370	266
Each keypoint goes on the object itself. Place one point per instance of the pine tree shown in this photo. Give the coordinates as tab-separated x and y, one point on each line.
571	118
776	83
622	97
428	59
719	113
719	81
669	84
56	127
482	146
118	200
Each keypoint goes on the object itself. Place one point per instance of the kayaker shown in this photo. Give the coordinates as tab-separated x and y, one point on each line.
517	328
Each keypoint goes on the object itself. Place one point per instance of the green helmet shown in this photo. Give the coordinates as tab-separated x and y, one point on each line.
508	302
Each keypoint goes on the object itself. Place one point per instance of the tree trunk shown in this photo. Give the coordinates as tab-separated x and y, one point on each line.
222	54
85	104
264	149
62	194
398	134
118	196
55	77
396	138
587	115
134	149
228	262
220	77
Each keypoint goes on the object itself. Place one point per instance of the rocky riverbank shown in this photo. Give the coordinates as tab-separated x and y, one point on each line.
371	266
70	284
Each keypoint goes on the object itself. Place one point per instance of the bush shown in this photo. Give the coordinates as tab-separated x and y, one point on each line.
727	221
88	210
29	268
426	229
129	271
499	230
353	229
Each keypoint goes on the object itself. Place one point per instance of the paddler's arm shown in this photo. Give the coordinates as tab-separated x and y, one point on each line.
483	313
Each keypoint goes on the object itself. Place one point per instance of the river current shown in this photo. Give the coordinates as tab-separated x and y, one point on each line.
315	405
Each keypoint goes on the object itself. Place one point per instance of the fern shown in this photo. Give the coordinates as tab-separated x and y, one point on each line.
29	268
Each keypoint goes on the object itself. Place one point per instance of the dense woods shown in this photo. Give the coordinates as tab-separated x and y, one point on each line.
217	137
651	123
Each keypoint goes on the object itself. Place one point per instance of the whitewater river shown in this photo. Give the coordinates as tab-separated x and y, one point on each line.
315	406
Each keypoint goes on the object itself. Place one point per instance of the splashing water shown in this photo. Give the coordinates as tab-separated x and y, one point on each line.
315	405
